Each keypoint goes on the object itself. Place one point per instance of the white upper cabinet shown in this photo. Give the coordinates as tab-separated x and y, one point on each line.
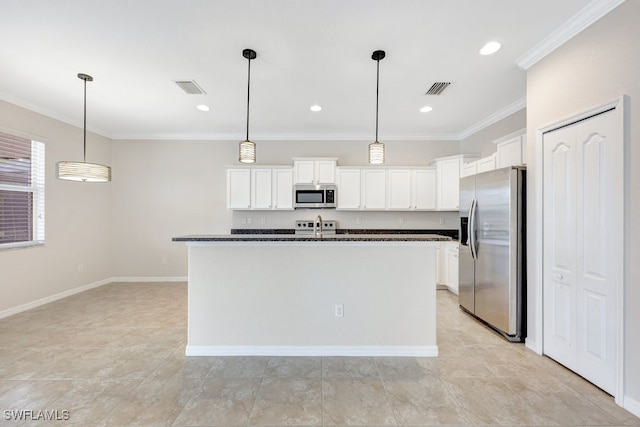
512	151
348	188
315	171
423	189
260	188
282	193
239	188
448	173
468	169
374	185
399	194
486	163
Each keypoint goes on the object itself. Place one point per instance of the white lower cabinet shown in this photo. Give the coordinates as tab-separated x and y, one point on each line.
452	267
447	266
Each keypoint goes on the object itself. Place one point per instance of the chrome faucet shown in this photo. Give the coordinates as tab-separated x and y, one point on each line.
317	226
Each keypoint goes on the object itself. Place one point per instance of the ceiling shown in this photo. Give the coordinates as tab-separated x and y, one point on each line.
308	52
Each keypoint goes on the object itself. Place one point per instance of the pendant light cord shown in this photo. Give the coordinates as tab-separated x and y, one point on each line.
85	122
377	94
248	92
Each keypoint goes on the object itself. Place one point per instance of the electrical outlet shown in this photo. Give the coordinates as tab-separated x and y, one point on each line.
401	221
358	220
80	268
244	221
441	221
164	260
263	221
249	221
339	310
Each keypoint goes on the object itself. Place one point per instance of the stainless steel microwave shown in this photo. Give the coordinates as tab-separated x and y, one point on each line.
314	196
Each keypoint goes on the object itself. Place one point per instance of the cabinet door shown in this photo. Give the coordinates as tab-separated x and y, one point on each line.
261	188
374	189
399	189
448	184
510	152
486	164
452	267
325	171
282	189
348	189
424	189
441	264
304	171
470	168
239	188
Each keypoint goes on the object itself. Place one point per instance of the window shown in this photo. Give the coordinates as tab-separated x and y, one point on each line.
21	191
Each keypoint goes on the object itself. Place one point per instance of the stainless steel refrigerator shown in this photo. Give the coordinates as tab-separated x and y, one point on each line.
492	260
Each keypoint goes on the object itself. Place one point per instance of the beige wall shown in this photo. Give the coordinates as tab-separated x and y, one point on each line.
77	218
481	142
596	66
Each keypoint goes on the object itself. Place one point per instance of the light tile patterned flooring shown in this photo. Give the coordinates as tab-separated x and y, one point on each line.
114	356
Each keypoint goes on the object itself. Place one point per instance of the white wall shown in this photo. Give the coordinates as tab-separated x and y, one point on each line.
77	218
596	66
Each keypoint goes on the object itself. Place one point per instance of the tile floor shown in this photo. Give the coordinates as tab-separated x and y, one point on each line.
114	356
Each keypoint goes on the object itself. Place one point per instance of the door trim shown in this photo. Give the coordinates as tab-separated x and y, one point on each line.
620	107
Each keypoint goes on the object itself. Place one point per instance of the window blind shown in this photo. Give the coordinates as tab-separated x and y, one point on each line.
21	191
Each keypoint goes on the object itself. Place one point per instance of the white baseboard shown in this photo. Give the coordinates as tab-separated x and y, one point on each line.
149	279
374	351
631	405
533	346
33	304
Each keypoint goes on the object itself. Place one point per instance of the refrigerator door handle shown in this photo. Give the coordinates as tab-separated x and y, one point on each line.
468	242
471	231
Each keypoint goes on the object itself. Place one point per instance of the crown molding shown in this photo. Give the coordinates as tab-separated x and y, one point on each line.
494	118
206	136
587	16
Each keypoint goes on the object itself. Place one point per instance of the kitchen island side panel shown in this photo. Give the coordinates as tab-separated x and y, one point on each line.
280	297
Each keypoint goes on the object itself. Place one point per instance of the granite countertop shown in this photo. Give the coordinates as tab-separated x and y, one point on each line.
341	237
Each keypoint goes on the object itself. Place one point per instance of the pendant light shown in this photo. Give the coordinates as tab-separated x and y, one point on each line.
376	148
248	148
83	171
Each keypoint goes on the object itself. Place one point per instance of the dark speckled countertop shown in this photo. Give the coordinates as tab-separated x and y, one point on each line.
341	237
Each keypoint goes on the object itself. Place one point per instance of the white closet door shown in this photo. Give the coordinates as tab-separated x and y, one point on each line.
560	246
583	218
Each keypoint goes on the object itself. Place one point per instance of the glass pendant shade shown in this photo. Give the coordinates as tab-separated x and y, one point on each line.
84	172
247	152
376	153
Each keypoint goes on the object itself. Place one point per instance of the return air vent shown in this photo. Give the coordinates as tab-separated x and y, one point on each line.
437	88
190	87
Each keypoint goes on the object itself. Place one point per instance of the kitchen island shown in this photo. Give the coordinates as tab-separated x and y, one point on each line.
285	294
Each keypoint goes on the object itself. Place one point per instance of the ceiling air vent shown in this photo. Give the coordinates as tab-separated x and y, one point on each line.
437	88
190	87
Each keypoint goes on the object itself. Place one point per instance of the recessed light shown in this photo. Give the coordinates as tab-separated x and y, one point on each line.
202	107
426	109
315	108
490	48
